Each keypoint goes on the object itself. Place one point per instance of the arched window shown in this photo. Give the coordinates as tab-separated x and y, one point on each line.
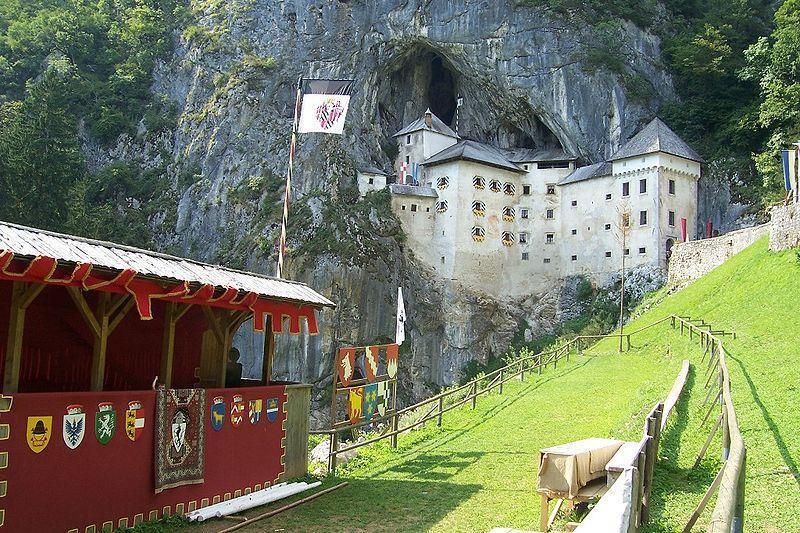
509	189
441	206
509	214
479	182
443	182
508	238
478	208
495	186
478	234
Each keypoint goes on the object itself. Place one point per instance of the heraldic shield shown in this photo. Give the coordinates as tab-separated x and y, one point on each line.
272	409
383	397
105	422
217	412
346	365
392	351
370	400
237	410
38	434
74	426
134	420
371	362
354	406
255	411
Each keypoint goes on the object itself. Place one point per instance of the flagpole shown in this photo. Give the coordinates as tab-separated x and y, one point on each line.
289	172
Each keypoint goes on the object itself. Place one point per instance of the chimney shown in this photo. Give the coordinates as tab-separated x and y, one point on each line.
429	118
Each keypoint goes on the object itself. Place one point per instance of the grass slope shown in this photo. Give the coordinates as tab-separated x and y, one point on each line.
757	295
479	470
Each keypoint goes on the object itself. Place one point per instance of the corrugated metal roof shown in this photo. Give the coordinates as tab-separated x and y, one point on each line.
473	151
436	125
413	190
656	137
34	242
588	172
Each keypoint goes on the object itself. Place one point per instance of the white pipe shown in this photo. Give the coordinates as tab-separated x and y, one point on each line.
243	503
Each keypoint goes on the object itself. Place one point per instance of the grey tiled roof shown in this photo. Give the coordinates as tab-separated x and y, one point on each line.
588	172
473	151
413	190
436	125
529	155
372	170
656	137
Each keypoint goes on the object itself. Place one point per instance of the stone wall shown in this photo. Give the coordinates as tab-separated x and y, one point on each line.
693	259
784	232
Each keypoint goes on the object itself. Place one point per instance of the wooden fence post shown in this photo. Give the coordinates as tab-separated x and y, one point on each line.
393	439
474	393
332	454
441	404
500	388
539	365
522	370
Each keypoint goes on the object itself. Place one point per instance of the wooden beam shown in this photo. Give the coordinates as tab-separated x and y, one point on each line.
120	315
213	323
22	295
168	344
86	312
118	302
100	349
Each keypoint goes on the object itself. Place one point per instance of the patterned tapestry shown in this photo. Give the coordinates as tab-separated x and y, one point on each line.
179	438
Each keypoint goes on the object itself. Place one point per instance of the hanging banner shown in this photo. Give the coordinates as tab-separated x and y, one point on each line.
400	330
355	405
683	230
324	106
371	362
346	365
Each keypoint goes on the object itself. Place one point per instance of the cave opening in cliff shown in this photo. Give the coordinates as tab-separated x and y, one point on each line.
441	91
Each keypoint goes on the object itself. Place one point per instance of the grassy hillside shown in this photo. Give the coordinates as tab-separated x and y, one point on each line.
757	295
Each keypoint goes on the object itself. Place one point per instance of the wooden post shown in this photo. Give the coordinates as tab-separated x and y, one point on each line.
269	356
22	295
393	438
500	388
171	317
544	511
648	469
441	404
522	370
474	393
332	455
539	365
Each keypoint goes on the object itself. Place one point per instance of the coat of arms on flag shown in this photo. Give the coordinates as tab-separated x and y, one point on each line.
346	365
272	409
370	400
74	427
38	434
371	362
392	351
237	410
217	412
255	411
324	105
355	404
383	397
105	422
134	420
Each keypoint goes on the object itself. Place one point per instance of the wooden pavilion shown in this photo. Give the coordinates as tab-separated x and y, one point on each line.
94	323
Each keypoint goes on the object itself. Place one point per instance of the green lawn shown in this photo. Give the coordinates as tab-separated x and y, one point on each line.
479	470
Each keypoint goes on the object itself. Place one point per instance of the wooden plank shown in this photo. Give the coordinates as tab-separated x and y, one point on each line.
100	349
298	403
544	511
704	501
708	442
675	393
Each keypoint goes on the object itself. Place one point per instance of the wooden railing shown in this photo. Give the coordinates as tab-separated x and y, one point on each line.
728	513
456	397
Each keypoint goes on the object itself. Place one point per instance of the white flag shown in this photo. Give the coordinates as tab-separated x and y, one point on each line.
400	334
324	106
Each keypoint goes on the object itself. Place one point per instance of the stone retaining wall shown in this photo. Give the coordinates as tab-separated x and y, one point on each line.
693	259
785	230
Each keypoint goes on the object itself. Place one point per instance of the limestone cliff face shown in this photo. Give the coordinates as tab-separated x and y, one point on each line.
523	82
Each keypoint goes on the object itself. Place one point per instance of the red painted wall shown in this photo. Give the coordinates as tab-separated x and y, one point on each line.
60	489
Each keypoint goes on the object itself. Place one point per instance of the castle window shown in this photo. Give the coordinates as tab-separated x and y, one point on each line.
523	213
553	164
642	250
508	238
671	218
607	227
549	213
642	186
443	182
403	207
642	218
627	251
574	203
626	220
608	254
509	214
441	206
478	208
551	188
408	159
523	238
549	238
442	259
427	209
574	258
672	186
371	181
495	186
608	196
525	167
546	260
526	189
574	231
626	189
524	256
408	139
413	207
479	182
509	189
478	234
